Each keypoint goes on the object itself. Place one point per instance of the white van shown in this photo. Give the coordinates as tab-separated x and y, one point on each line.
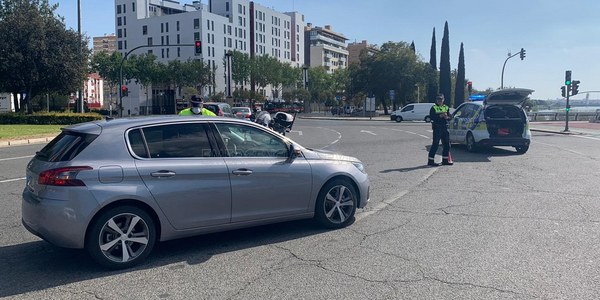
412	112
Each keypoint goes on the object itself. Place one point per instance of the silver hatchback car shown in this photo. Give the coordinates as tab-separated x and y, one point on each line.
117	187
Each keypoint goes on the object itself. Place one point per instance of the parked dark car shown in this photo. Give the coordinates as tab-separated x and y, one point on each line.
220	109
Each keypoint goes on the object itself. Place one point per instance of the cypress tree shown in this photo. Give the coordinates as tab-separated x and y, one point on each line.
459	90
432	88
445	76
412	47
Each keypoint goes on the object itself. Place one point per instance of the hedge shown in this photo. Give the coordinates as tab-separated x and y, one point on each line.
48	118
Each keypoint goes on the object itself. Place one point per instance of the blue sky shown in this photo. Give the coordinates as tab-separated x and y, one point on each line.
557	35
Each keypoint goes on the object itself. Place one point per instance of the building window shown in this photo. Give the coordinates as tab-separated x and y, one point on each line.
124	8
145	29
124	20
196	23
167	52
124	32
119	45
119	9
119	33
119	21
177	25
125	44
196	36
226	6
207	24
162	53
149	41
133	7
162	40
149	51
167	27
162	27
167	41
178	52
178	39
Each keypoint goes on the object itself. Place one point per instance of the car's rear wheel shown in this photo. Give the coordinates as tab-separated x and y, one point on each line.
336	204
470	142
522	149
427	119
121	237
398	119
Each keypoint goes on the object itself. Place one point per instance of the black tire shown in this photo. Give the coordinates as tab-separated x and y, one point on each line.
470	142
427	119
398	119
336	204
522	149
108	230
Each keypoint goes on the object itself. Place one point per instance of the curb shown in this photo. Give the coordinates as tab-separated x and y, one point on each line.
26	141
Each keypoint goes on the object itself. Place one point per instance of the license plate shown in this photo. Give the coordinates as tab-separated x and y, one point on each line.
503	131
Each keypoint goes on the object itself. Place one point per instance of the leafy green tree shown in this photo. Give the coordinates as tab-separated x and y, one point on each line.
445	77
37	53
459	89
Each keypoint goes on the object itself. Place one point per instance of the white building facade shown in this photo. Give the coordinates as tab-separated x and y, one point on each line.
169	30
326	48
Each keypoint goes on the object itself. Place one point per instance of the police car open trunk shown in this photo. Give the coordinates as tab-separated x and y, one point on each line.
504	113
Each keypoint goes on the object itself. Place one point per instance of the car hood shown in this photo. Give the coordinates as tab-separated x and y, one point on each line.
328	155
513	96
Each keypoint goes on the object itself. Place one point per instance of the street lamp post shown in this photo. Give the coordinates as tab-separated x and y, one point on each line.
418	93
228	56
305	85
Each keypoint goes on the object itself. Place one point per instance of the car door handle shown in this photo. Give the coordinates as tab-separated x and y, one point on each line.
162	174
242	172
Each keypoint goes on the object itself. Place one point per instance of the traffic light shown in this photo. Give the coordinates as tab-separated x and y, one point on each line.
470	87
522	53
568	78
568	108
563	91
574	87
124	91
198	46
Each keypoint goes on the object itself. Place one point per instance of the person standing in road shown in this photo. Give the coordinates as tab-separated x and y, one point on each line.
440	115
196	109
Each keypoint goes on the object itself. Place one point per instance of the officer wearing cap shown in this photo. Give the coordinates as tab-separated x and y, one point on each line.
440	115
196	109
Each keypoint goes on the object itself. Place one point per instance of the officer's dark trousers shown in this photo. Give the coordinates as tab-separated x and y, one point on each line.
440	133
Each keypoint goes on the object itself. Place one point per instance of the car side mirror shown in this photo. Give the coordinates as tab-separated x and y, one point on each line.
293	153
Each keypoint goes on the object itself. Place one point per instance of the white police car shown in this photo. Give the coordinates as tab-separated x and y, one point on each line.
498	120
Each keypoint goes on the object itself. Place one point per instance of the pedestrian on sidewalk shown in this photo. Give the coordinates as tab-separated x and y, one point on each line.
440	116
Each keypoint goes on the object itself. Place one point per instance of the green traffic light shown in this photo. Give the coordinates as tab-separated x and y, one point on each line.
568	82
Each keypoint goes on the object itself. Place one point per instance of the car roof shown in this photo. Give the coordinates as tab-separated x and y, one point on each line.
95	127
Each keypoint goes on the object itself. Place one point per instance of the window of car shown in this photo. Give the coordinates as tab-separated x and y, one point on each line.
65	146
247	141
408	108
171	141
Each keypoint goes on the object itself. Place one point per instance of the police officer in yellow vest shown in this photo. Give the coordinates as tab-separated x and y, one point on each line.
196	109
440	115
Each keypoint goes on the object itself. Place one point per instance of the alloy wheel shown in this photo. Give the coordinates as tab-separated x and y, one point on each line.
124	237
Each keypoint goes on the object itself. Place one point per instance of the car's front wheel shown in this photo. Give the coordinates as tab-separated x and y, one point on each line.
121	237
336	204
470	142
398	119
427	119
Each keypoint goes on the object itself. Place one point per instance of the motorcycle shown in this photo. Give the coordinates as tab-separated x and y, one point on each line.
283	122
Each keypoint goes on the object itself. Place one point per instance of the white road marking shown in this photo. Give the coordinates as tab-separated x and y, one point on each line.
298	131
400	130
565	149
11	180
369	132
18	157
387	202
334	142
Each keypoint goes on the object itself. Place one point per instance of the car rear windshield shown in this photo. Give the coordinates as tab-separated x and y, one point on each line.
65	146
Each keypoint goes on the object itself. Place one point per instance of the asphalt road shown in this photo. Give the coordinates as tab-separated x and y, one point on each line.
496	225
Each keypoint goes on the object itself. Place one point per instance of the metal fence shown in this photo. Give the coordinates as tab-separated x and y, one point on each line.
561	116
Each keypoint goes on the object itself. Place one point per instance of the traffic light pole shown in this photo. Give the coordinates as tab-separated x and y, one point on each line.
567	108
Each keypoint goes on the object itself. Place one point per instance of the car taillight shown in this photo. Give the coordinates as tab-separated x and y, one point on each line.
248	116
62	176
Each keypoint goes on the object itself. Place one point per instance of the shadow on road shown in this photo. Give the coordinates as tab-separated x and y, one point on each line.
39	265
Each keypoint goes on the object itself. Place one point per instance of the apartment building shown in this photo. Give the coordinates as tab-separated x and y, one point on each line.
326	48
106	43
355	50
168	29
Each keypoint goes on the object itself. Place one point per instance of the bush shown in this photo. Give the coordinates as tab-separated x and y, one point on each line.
46	118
